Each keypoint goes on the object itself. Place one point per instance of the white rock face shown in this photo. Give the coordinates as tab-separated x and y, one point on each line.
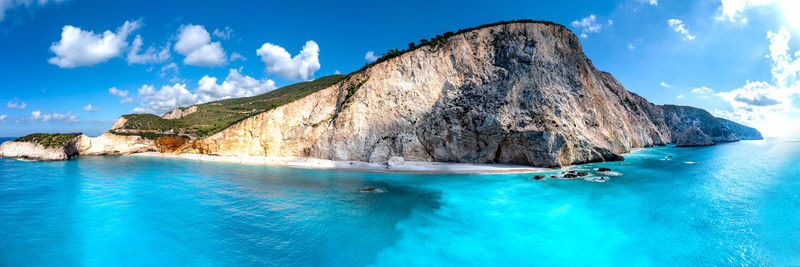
396	161
521	93
111	144
32	151
179	113
119	123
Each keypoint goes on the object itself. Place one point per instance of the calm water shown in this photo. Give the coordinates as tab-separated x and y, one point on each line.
739	204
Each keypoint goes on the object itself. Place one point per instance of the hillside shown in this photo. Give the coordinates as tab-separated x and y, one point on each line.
210	118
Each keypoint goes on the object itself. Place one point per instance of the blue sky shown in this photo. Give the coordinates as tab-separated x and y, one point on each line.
734	58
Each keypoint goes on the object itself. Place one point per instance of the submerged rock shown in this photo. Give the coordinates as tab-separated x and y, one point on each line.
370	189
538	177
694	137
601	169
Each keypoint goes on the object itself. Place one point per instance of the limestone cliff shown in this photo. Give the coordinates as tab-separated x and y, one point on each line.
112	144
694	136
34	151
519	93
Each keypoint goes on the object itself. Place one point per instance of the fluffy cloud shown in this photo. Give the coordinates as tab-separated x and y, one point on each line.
9	4
665	85
678	26
766	105
589	25
165	99
151	55
16	105
85	48
63	117
194	42
3	117
223	34
653	2
370	56
177	95
681	96
235	85
302	66
734	10
90	108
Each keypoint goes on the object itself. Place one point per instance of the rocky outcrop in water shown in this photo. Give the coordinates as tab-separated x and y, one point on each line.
521	93
694	136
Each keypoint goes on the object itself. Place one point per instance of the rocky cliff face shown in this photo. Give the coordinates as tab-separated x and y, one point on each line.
519	93
694	136
179	113
34	151
112	144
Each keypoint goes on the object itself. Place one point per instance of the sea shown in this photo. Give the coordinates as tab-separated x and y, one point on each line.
730	204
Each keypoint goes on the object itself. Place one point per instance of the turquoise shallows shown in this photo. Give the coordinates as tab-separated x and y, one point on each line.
730	204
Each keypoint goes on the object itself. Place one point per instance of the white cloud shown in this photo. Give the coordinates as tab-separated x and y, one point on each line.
765	105
90	108
9	4
630	46
337	72
589	25
678	26
16	105
151	55
370	56
177	95
194	42
302	66
653	2
702	90
224	34
680	96
665	85
3	117
236	56
119	93
63	117
734	10
85	48
235	85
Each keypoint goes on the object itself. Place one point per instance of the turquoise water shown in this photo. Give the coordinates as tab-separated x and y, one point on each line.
738	205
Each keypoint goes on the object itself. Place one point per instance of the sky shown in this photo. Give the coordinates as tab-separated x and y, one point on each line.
77	65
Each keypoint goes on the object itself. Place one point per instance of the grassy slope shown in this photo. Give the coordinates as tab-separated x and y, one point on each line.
48	140
214	117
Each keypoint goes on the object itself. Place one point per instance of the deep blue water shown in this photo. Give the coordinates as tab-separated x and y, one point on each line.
738	205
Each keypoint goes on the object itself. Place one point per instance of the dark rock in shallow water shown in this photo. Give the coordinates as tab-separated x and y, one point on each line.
538	177
570	176
603	169
370	189
581	174
694	137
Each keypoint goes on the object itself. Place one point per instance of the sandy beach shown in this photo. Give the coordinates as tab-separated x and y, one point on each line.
312	163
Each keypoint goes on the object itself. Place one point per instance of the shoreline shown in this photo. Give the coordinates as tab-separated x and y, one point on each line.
417	167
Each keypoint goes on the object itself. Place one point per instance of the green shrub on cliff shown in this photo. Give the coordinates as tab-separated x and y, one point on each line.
57	140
